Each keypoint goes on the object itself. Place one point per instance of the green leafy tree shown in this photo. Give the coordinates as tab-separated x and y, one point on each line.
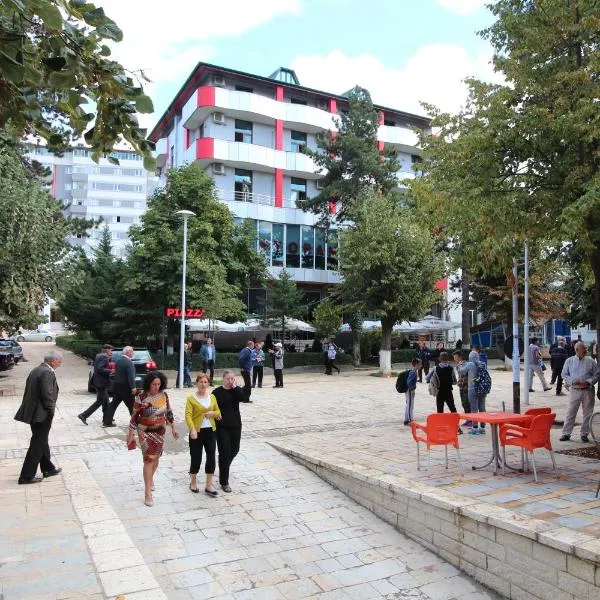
221	259
34	254
284	301
328	317
57	79
91	298
520	162
391	262
351	161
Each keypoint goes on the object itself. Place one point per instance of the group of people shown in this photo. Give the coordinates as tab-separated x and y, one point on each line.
251	362
462	373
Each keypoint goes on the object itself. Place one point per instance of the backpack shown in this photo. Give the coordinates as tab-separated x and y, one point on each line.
434	384
402	382
483	381
331	353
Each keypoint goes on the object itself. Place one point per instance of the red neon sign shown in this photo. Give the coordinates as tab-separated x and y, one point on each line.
190	313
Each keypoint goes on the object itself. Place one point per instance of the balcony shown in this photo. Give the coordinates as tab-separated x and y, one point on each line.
399	136
233	196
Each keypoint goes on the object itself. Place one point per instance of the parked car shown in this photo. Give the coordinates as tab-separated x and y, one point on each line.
35	336
7	357
142	361
16	348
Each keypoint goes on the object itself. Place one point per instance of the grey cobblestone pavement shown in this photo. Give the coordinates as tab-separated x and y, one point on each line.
282	533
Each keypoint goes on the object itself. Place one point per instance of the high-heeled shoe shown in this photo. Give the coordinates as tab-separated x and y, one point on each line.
148	501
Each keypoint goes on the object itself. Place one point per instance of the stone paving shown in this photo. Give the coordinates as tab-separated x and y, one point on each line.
282	533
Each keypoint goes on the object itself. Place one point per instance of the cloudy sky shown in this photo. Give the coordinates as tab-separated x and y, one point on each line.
402	51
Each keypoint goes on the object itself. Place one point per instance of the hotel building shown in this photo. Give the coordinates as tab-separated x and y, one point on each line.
247	132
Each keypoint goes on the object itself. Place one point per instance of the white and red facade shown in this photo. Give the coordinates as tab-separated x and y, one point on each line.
246	131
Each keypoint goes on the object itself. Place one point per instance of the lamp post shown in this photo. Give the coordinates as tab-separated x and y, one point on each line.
185	214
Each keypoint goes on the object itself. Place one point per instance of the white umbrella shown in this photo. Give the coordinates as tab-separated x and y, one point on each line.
298	325
210	325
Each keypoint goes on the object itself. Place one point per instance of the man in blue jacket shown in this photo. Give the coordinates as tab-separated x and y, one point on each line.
208	353
245	364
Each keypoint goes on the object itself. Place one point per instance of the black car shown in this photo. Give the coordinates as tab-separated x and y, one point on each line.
142	361
16	349
7	356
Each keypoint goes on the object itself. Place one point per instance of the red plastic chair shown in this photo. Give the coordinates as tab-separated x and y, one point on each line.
531	437
441	429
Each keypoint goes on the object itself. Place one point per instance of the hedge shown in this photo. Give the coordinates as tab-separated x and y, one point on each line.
225	360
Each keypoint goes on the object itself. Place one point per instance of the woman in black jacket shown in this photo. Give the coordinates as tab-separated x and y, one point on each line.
229	427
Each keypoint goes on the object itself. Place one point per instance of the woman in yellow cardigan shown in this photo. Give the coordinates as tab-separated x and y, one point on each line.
201	410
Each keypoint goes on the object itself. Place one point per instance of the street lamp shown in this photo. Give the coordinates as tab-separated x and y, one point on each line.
185	214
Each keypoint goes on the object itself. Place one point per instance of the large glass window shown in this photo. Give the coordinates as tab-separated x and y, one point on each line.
243	131
256	302
277	246
264	240
308	247
292	251
320	249
332	248
298	141
243	185
297	191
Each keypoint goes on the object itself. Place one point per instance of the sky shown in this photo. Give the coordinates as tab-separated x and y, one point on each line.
403	51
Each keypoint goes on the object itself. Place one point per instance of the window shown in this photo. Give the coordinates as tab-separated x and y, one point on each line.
244	88
308	234
298	141
415	158
277	245
292	250
298	191
332	248
320	249
118	219
389	123
257	300
243	131
264	240
172	157
242	185
298	101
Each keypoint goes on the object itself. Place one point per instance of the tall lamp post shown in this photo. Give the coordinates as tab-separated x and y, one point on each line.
185	214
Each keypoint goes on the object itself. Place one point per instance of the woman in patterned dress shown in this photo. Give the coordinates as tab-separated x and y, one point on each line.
151	413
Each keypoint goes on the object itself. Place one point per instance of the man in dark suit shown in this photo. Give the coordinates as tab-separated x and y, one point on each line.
101	381
123	386
37	409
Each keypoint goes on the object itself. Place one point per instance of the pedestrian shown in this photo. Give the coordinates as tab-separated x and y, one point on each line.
534	366
124	388
245	364
101	381
446	378
201	410
477	403
424	355
37	410
258	362
558	357
580	373
187	366
463	386
594	350
209	358
411	388
439	348
229	426
331	356
278	364
151	414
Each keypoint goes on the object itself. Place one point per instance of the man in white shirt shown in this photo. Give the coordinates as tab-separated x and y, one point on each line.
581	373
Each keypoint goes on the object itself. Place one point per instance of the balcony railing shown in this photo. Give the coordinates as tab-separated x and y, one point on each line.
233	196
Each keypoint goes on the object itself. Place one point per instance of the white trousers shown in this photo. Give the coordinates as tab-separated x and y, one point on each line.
586	399
538	371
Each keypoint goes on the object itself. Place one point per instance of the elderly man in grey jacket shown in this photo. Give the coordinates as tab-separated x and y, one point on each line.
580	373
37	410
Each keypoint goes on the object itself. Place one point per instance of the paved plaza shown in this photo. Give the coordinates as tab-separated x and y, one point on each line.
283	532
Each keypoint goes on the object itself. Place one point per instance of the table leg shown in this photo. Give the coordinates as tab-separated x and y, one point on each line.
494	458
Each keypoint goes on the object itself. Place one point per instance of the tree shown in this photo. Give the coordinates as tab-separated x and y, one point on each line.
390	262
221	259
90	301
351	161
57	80
328	318
520	162
284	301
34	254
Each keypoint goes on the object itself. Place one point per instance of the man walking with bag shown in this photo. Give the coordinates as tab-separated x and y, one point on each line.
101	381
37	410
123	386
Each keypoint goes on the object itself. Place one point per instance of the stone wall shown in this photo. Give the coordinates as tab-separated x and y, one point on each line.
517	556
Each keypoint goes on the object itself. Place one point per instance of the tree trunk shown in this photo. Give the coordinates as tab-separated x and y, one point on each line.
385	353
356	326
466	306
